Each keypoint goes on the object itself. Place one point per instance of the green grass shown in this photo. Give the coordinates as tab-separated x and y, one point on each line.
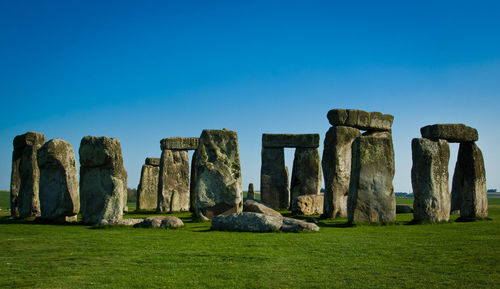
449	255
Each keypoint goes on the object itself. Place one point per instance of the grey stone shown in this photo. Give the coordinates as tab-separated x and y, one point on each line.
125	189
308	205
179	143
173	183
336	164
256	222
469	194
147	191
429	179
290	140
450	132
360	119
256	207
59	190
274	187
153	162
121	222
24	188
192	183
403	209
371	194
101	179
250	193
165	222
217	188
306	173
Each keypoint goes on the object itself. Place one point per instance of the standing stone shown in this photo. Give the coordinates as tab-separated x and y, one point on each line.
306	173
173	182
125	189
59	190
274	189
218	175
371	194
336	165
24	187
469	183
250	193
147	191
101	179
429	179
192	183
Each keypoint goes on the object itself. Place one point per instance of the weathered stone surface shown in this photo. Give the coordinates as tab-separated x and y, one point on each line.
336	164
308	205
24	187
403	209
121	222
153	162
217	187
179	143
125	189
255	222
173	183
371	194
290	140
192	183
101	179
256	207
469	194
450	132
147	191
274	188
306	173
429	178
59	190
250	193
360	119
165	222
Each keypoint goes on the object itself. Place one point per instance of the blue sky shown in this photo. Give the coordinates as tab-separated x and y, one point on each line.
141	71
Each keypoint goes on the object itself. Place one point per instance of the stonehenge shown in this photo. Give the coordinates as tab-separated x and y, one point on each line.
147	191
430	174
306	171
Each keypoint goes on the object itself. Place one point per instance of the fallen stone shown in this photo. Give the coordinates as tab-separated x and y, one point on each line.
360	119
24	189
121	222
306	173
308	205
256	207
403	209
217	188
450	132
429	178
290	140
155	162
250	193
147	191
469	194
274	186
336	164
101	179
173	183
371	194
179	143
255	222
59	190
165	222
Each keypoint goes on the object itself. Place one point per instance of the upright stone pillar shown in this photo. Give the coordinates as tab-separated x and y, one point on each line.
429	178
147	191
173	182
101	179
371	194
24	187
469	183
336	164
250	193
217	188
125	189
306	173
59	190
274	189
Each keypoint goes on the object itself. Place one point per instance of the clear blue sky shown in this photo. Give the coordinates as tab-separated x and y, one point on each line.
141	71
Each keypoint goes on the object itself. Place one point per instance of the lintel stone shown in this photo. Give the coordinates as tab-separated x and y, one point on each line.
152	162
360	119
179	143
290	140
450	132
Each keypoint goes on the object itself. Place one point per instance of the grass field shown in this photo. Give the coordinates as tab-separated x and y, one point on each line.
448	255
